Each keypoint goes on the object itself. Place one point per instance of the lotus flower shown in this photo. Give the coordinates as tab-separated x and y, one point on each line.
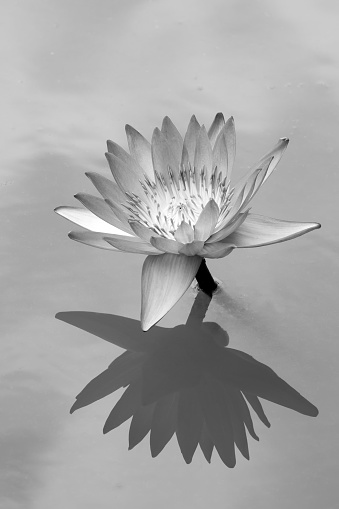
173	201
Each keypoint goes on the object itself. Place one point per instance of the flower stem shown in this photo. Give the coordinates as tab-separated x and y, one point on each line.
205	280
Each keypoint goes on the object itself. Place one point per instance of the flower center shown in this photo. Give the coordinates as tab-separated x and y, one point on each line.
168	201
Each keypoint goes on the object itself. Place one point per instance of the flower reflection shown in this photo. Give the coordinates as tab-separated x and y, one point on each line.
173	201
184	381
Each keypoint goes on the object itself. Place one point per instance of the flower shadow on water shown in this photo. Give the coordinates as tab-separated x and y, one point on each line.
185	381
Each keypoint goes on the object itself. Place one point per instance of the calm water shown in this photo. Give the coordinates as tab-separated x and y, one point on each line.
73	73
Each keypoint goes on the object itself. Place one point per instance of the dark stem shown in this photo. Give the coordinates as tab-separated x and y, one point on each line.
199	309
205	280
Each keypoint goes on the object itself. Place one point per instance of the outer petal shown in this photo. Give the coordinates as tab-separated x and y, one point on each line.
128	178
268	163
163	423
131	161
101	209
164	280
206	221
141	231
217	250
222	233
261	230
88	220
131	245
91	239
140	150
217	124
108	189
127	405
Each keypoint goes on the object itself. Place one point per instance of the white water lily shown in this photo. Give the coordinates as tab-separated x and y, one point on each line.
172	200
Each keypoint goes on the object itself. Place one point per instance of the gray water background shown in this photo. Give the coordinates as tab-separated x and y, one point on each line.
72	74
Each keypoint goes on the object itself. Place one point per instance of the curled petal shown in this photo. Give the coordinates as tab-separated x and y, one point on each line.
206	221
268	164
140	150
88	220
258	231
132	245
164	280
217	250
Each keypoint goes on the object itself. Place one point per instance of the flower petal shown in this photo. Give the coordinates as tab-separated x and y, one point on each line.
224	150
128	178
184	233
91	239
163	423
164	160
192	249
190	142
132	245
166	245
267	163
88	220
164	280
140	150
131	161
224	231
203	156
217	250
217	124
206	221
142	231
174	139
101	209
258	231
108	189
